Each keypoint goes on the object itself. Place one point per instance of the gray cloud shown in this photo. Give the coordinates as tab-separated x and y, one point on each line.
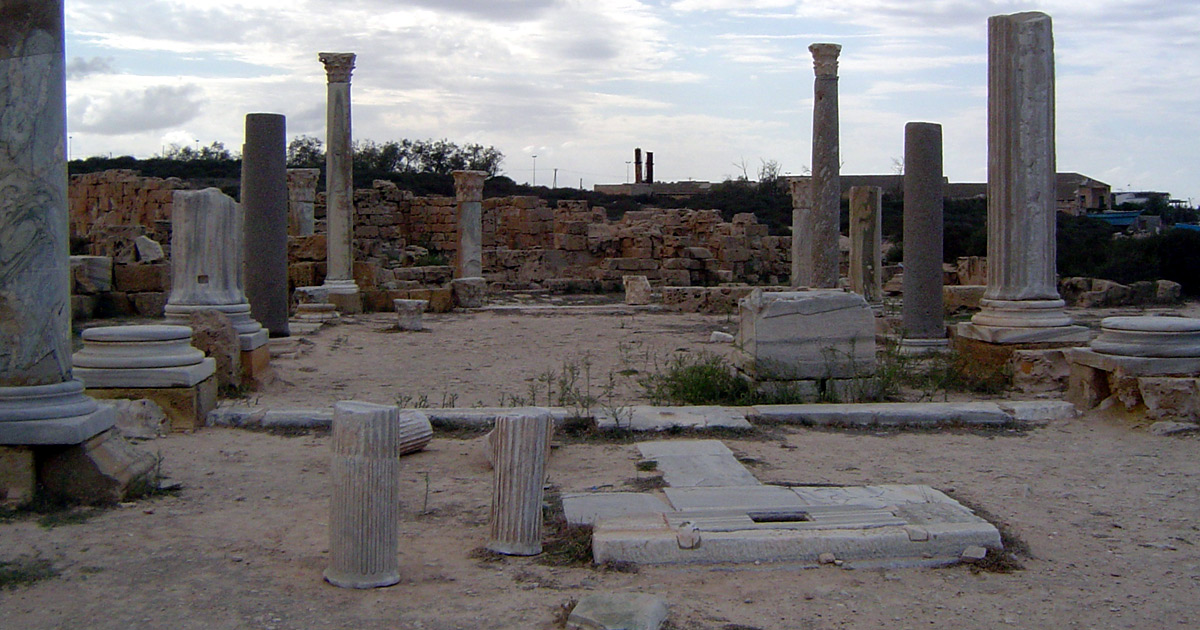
78	67
506	11
135	111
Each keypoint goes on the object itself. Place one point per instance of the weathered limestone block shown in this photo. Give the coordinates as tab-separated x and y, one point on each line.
91	274
365	501
213	333
148	249
637	290
469	292
18	476
1168	398
1038	371
520	447
408	313
798	335
101	470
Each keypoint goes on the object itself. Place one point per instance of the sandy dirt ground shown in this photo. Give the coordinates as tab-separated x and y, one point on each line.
1109	512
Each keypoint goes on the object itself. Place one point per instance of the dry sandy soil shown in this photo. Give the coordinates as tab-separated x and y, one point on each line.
1108	512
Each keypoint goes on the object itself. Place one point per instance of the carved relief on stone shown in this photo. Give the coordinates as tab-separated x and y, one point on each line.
338	66
825	59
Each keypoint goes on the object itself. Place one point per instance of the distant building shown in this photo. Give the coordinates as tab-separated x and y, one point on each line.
1140	198
1080	194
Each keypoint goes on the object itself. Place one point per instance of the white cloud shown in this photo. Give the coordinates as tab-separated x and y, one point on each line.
702	83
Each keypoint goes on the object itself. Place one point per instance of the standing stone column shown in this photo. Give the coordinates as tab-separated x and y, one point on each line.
265	205
1021	303
364	507
468	189
520	446
40	401
866	228
826	167
924	329
339	185
802	236
206	263
302	195
637	166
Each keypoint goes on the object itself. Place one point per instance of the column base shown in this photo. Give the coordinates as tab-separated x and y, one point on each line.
1048	337
923	347
344	295
239	316
51	414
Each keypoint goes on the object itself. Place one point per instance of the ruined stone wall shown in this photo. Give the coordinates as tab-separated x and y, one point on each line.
527	243
112	208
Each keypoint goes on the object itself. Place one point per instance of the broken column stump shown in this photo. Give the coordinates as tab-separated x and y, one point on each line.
520	445
364	508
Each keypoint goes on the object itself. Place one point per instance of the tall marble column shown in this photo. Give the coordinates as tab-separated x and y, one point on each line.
1021	303
265	206
924	328
468	189
826	166
800	188
866	229
40	401
339	184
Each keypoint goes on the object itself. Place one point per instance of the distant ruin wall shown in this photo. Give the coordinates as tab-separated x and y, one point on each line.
526	242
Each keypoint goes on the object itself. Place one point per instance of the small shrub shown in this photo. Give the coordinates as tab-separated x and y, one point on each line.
25	571
701	379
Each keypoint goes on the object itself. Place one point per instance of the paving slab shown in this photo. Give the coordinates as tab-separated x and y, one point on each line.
689	463
876	526
618	611
882	414
647	418
737	497
585	508
1038	411
682	448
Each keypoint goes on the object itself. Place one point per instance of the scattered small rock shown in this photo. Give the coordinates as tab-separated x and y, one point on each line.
826	558
974	553
1173	428
720	337
618	611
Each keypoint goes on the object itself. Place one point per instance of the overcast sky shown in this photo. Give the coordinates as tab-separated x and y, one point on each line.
707	85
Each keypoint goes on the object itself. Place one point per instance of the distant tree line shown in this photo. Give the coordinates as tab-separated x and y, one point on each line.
441	157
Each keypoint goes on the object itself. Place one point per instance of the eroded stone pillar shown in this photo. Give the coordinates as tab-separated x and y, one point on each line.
364	507
802	236
339	185
265	206
40	401
206	263
826	167
468	189
1021	303
924	328
302	195
866	228
520	444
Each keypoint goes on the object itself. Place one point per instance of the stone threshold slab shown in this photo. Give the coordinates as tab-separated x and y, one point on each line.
647	418
877	526
984	413
573	309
